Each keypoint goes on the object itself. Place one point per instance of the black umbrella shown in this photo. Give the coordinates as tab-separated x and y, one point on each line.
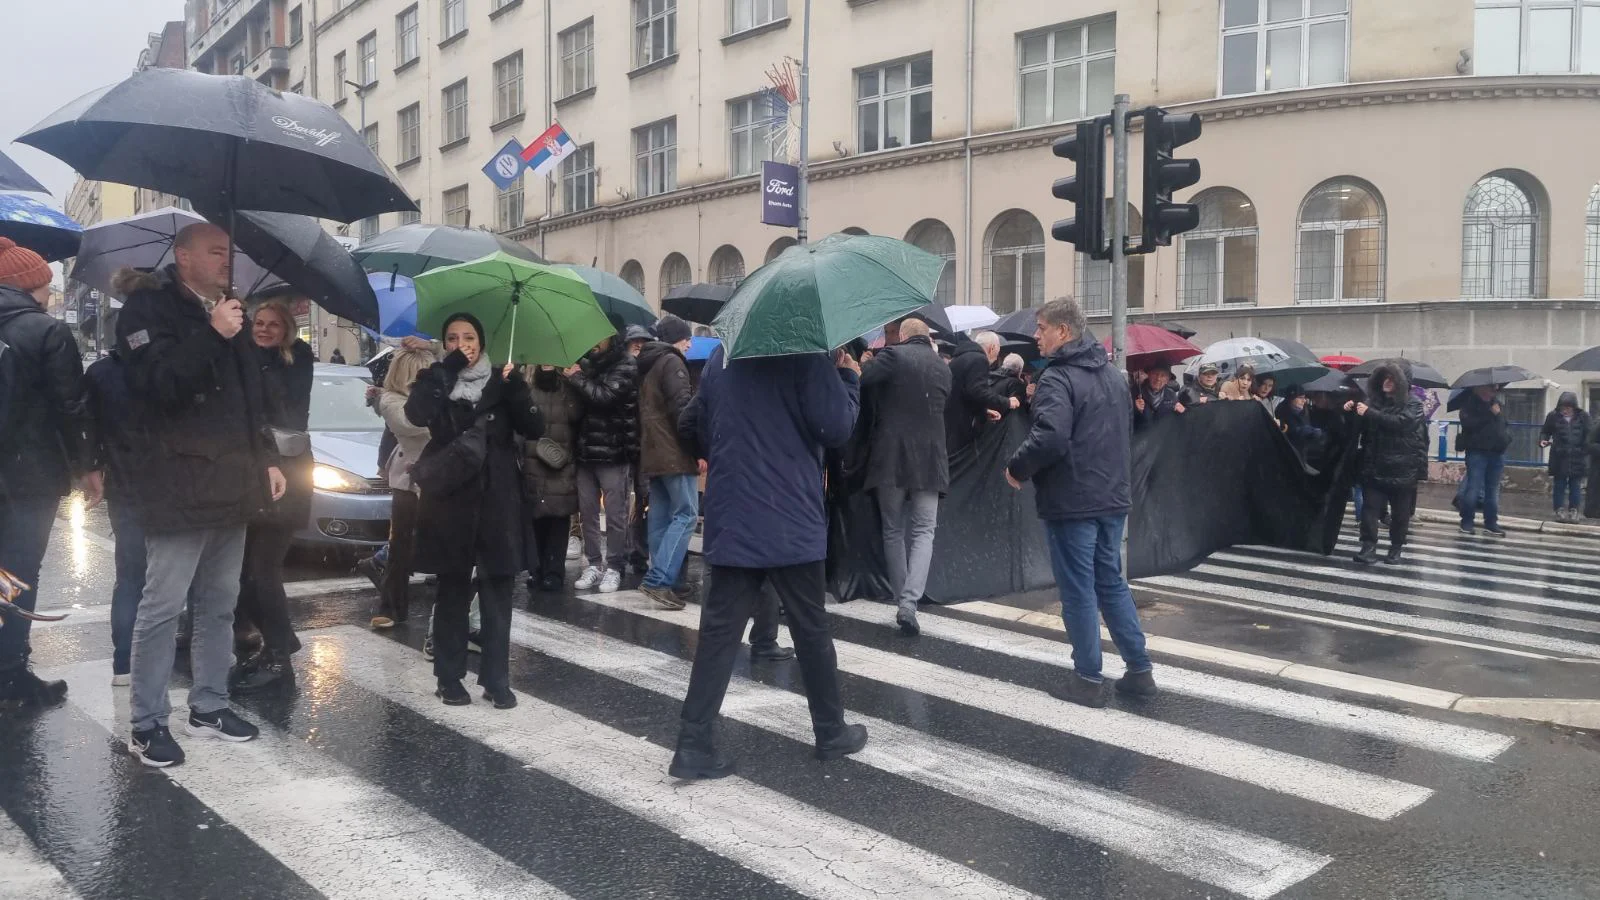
225	141
1020	324
15	178
1587	361
1493	375
1420	373
935	316
1028	350
697	302
297	250
1177	328
410	250
1334	382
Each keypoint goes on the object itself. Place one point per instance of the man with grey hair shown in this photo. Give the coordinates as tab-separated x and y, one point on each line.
1077	455
972	398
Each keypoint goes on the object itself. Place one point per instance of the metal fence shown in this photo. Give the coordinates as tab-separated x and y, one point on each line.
1524	449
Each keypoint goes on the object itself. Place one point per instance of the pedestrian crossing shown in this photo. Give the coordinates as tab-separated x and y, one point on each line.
364	785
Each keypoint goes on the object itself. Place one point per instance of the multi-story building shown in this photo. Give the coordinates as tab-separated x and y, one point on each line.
244	37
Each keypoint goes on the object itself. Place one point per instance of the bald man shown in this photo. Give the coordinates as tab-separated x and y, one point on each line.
201	468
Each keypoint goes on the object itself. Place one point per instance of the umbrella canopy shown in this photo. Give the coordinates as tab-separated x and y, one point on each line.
697	302
40	227
967	318
15	178
1266	357
934	315
397	305
816	297
226	141
1028	350
145	242
615	296
297	250
410	250
1587	361
1341	362
1020	324
1331	383
1493	375
1177	328
1420	373
1150	346
532	314
701	347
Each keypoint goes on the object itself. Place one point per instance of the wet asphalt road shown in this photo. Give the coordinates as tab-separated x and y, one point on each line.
976	783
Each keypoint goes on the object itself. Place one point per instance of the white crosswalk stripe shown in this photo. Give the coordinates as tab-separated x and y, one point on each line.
24	873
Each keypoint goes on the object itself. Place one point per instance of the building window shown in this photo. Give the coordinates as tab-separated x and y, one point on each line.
577	180
727	266
1217	261
456	211
238	64
299	88
1013	261
894	105
633	274
1591	269
405	37
410	129
371	137
367	228
1341	246
412	218
655	30
339	76
753	131
1273	45
577	58
1536	36
296	26
508	207
455	113
498	5
1094	275
1500	240
367	59
453	18
934	236
1066	73
655	158
508	87
747	14
675	273
778	246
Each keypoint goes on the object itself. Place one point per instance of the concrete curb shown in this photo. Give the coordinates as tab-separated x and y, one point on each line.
1571	713
1538	526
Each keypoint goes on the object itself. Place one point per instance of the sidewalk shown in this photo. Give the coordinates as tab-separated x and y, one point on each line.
1519	511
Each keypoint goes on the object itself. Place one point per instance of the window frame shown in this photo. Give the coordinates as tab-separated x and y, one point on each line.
1261	27
447	111
578	173
1219	236
945	291
341	71
407	217
465	209
1591	256
407	36
367	59
502	89
1022	256
1498	226
415	132
368	227
776	11
755	129
1092	276
688	269
1051	64
370	137
644	27
1525	9
882	98
570	57
667	151
296	27
1339	228
503	200
446	8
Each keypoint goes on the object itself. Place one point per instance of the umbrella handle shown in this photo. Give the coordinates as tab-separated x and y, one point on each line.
511	339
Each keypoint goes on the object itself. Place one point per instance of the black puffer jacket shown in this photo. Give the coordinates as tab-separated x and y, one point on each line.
1394	433
45	439
553	493
1482	428
971	395
286	387
608	383
1566	437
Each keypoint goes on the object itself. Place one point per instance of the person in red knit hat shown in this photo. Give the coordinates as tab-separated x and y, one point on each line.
44	443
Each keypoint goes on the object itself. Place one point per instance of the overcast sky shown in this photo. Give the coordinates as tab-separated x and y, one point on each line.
59	50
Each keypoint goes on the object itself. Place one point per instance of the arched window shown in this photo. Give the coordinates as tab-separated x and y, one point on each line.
1591	269
1500	240
934	236
1094	275
1217	261
675	272
1013	262
1340	255
778	246
727	266
854	230
633	274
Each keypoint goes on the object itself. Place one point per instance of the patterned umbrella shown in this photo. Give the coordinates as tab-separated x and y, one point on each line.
39	226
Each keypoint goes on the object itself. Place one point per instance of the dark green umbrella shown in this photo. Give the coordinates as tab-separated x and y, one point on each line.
615	296
410	250
532	314
816	297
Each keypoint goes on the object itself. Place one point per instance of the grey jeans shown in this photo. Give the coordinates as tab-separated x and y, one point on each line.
909	520
204	565
607	483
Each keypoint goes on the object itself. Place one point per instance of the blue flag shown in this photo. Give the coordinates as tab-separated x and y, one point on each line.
506	166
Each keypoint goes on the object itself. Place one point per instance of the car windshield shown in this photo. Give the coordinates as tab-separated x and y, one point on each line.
339	403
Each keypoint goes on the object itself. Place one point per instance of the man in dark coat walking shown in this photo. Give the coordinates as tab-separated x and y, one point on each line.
44	443
764	423
1077	454
973	398
1484	438
907	467
1394	457
670	470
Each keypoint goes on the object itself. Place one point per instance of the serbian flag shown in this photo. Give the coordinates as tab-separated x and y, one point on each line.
549	148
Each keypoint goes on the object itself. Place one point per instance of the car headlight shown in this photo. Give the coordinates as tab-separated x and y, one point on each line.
329	478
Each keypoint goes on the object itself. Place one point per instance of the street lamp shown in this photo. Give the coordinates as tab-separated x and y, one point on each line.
361	95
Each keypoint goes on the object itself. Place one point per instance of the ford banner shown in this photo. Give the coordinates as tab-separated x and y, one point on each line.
780	195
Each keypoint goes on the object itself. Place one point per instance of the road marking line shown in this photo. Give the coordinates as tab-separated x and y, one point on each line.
343	835
808	850
296	590
1456	557
1316	565
1194	848
24	873
1533	540
1359	792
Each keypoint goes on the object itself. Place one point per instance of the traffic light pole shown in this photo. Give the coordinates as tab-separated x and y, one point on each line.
1119	230
803	232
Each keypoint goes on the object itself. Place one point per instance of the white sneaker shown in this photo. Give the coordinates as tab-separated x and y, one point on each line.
574	547
589	578
122	680
610	581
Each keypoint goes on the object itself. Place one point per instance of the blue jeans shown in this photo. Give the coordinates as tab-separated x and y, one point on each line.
130	559
1484	470
1566	491
24	534
674	506
1360	498
1086	555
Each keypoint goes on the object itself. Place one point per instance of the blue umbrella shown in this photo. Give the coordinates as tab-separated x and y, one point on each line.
397	305
39	226
701	348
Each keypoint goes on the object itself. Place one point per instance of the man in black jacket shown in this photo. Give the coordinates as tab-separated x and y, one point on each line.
907	467
1157	398
607	380
204	468
972	397
44	442
1484	438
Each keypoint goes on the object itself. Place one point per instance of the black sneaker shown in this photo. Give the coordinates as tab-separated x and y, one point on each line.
770	653
222	725
551	584
475	642
155	747
1077	689
846	740
268	669
452	693
1494	531
663	596
687	593
502	699
907	620
1137	684
1368	554
1469	530
1393	557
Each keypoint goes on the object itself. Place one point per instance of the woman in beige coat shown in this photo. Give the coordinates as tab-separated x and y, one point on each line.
394	600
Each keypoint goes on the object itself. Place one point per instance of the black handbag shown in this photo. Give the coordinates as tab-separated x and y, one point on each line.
455	465
551	453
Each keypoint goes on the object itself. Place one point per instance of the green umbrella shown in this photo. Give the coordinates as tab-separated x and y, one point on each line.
539	315
615	296
816	297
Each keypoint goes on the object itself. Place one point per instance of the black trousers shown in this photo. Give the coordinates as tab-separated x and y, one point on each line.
546	545
764	626
639	522
732	595
395	599
454	603
262	601
1400	502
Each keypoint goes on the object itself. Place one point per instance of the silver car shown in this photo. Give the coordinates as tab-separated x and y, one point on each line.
350	500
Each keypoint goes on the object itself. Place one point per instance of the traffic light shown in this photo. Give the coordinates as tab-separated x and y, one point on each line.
1086	146
1164	132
